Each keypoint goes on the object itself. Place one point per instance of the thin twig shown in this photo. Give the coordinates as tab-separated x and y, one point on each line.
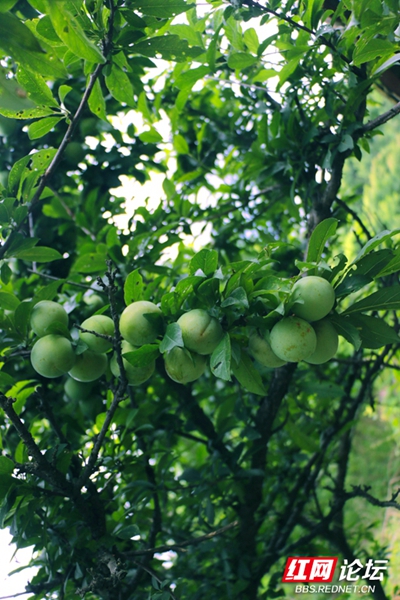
191	542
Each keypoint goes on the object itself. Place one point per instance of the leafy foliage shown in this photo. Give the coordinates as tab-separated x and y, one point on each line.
247	114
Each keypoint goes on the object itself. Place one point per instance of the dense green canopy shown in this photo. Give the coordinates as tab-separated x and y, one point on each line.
197	157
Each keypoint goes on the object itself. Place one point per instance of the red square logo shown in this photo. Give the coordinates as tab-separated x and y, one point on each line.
303	569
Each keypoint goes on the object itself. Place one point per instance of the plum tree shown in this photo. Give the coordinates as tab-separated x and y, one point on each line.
201	332
46	313
100	324
317	296
293	339
135	327
261	350
134	375
52	356
89	366
327	342
184	366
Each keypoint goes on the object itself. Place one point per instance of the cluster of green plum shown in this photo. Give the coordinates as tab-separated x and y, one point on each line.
53	354
305	335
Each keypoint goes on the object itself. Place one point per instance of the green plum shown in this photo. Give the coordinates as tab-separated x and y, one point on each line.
100	324
317	295
89	366
261	350
293	339
46	313
201	332
327	342
183	366
77	390
134	375
52	356
135	328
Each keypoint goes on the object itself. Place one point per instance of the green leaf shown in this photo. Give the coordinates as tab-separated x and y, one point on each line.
241	60
185	81
386	299
20	43
206	260
6	380
387	64
71	33
119	85
172	338
142	357
248	376
171	47
383	236
13	97
365	52
151	136
393	266
127	532
6	5
180	144
22	317
238	298
164	9
36	87
6	466
96	101
345	328
374	332
347	143
373	263
133	287
351	283
90	263
40	254
251	40
39	128
8	301
63	90
220	360
319	237
49	292
302	439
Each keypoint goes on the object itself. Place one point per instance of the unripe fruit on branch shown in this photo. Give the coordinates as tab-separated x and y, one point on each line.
52	356
327	342
293	339
46	313
183	366
134	375
318	298
134	327
261	350
99	324
77	390
201	332
89	366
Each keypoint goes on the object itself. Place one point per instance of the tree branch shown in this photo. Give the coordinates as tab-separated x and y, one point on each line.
374	123
41	467
363	492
